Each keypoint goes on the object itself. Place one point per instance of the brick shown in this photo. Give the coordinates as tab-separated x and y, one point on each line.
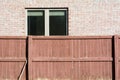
86	17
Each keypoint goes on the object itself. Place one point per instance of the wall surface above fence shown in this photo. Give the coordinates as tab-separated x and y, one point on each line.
85	17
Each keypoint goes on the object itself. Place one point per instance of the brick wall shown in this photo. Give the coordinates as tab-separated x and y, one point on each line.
86	17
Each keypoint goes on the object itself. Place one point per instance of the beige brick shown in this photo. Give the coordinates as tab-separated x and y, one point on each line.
86	17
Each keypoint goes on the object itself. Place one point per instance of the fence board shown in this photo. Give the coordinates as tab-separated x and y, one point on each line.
71	58
12	57
118	57
60	58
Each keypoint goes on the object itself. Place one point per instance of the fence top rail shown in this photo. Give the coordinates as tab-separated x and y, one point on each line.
70	37
13	37
58	37
119	37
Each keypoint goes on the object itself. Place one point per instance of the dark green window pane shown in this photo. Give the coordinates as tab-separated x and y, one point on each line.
36	22
58	22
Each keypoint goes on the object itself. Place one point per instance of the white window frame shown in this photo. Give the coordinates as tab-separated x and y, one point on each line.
46	20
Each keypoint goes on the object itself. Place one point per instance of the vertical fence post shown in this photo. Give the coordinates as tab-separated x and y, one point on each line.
29	57
116	48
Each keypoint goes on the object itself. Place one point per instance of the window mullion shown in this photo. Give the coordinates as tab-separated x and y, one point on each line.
46	22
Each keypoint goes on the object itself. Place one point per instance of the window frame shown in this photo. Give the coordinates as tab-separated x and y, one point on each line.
47	10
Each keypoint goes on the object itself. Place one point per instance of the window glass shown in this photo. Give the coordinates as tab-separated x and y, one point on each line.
47	22
57	22
35	22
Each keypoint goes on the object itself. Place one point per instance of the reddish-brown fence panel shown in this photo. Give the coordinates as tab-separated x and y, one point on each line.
117	55
70	58
12	58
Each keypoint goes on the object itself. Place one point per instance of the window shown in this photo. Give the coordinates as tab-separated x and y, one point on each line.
47	22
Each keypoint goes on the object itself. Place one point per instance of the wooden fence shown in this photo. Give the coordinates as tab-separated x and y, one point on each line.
12	58
60	58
